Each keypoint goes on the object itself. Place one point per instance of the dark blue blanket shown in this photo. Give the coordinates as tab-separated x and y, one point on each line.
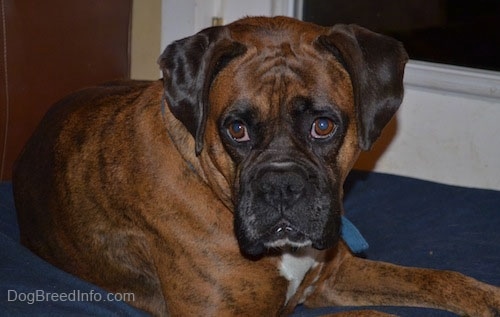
406	221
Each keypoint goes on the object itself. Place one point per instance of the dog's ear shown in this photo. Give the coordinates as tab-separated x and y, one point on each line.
375	64
189	66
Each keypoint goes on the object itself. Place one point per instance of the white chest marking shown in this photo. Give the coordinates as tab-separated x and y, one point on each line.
294	267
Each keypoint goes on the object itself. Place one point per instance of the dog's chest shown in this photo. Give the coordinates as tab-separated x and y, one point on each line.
294	266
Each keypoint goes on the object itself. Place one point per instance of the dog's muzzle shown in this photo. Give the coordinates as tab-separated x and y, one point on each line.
281	189
284	204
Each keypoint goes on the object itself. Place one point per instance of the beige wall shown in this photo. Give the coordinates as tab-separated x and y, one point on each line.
146	38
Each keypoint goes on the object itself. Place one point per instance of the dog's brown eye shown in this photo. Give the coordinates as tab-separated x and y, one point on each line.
322	128
238	131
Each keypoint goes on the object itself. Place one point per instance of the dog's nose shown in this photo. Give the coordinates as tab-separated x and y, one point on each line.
281	188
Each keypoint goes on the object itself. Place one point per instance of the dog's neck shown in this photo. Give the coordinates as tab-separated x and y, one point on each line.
198	164
182	140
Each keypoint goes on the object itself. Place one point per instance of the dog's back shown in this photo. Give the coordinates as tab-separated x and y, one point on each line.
63	128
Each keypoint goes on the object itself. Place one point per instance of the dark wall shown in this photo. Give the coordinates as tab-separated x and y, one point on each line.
458	32
50	48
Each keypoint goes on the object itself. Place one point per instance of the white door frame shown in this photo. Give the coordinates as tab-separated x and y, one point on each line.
181	18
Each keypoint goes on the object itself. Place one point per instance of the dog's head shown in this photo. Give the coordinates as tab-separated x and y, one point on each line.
279	110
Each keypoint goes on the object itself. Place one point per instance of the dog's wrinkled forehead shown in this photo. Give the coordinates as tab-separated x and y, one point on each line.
281	62
276	43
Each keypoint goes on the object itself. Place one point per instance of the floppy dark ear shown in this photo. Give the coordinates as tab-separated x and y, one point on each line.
189	67
376	65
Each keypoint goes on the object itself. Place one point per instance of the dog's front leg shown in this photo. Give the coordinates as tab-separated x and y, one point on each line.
347	280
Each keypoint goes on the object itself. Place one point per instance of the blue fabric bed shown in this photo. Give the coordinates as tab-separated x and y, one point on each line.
405	221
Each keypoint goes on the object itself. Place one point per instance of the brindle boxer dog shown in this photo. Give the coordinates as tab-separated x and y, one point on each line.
218	190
